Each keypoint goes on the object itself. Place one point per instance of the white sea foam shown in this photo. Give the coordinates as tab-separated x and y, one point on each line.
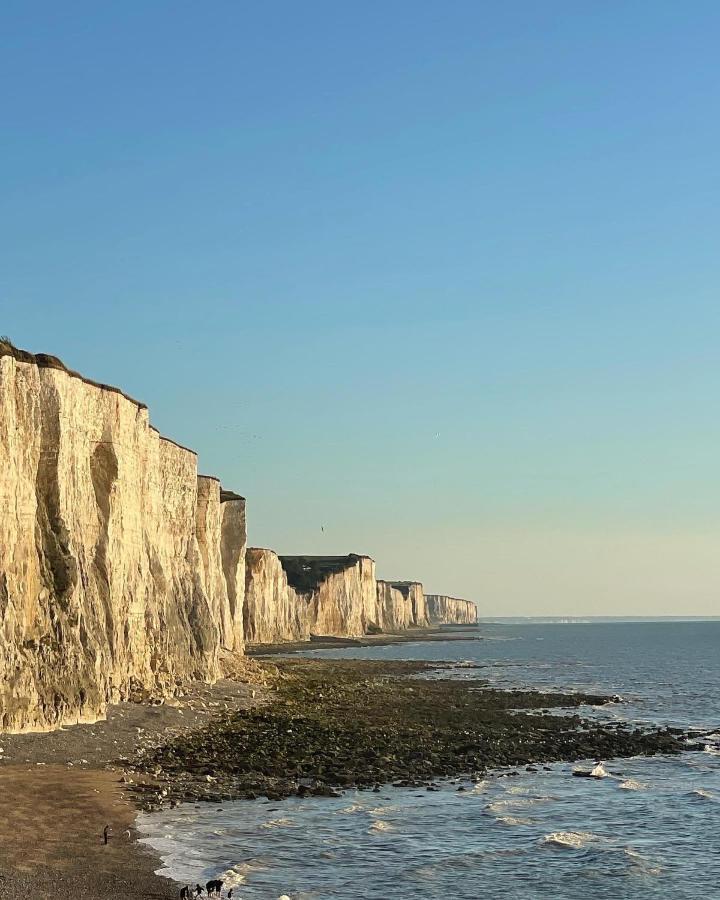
379	827
513	820
276	823
703	794
237	875
381	810
354	808
574	840
512	803
631	785
478	788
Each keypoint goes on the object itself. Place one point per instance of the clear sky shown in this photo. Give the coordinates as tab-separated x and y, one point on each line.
439	277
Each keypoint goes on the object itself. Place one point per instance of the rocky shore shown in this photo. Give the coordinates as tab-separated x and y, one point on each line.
349	723
384	639
272	728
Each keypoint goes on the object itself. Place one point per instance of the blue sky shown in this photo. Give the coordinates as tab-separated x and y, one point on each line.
441	278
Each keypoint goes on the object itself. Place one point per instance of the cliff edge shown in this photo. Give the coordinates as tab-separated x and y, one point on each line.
120	569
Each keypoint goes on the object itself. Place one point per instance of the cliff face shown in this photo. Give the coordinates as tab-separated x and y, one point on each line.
274	612
340	591
413	591
233	541
122	570
119	568
450	611
395	611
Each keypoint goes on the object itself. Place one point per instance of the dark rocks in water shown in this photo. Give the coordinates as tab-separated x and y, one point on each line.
354	723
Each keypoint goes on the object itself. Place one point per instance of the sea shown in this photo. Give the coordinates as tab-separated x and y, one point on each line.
649	830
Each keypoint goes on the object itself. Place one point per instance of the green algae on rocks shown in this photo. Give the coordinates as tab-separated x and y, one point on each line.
335	724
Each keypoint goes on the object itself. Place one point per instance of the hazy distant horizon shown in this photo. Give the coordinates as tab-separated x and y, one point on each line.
431	282
589	620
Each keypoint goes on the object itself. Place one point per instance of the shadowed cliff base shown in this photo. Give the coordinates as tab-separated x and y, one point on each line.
337	724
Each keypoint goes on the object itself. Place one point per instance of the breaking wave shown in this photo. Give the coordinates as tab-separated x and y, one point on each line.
573	840
631	785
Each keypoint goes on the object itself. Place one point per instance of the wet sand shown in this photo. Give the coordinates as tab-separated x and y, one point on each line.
61	788
51	837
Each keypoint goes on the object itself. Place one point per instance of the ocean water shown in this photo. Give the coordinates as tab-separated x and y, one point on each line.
652	830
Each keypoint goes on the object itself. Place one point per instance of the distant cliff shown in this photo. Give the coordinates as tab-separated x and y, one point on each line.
413	591
450	611
340	592
120	568
123	571
274	612
395	611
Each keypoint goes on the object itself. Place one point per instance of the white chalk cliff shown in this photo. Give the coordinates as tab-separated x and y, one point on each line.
450	610
395	612
413	591
274	612
340	592
111	569
123	571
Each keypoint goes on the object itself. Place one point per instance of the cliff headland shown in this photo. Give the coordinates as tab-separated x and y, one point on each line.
129	602
125	572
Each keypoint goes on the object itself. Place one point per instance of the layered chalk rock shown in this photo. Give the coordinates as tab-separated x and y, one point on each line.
274	612
413	591
233	543
119	568
340	591
450	610
395	612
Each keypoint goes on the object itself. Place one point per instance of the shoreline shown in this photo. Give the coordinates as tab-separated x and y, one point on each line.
387	724
364	724
440	633
60	788
51	838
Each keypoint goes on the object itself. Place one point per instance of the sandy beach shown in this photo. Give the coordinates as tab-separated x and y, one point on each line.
60	789
51	837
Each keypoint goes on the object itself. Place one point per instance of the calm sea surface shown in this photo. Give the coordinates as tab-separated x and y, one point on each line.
652	831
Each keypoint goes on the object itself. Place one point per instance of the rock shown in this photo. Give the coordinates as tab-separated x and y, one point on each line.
274	612
340	592
412	591
111	576
450	611
395	612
